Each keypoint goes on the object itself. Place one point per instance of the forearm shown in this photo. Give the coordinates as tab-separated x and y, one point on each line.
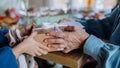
18	50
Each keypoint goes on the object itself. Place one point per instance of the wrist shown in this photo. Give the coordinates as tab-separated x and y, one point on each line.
85	37
18	50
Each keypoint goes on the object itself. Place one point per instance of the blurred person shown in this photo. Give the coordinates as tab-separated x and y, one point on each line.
90	39
8	55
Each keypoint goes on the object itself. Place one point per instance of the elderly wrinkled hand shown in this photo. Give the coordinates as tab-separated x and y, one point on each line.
69	40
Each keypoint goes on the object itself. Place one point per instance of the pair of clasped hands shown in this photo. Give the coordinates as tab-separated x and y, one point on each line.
71	38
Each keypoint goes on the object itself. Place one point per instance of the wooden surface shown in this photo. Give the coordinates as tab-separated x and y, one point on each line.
73	59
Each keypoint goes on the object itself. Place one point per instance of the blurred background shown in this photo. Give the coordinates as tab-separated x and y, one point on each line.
22	12
40	11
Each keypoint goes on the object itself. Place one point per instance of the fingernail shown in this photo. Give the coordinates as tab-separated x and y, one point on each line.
49	46
45	53
48	49
45	40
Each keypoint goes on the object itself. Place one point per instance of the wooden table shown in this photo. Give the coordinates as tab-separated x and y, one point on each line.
73	59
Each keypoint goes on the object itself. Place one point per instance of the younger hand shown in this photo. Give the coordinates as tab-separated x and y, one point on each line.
31	47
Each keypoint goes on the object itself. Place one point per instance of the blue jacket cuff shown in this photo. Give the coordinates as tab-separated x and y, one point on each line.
92	46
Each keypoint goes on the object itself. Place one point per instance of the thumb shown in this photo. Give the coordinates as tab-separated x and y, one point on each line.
33	34
69	28
66	50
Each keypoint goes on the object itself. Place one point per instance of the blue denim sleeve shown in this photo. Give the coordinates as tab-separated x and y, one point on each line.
108	55
7	58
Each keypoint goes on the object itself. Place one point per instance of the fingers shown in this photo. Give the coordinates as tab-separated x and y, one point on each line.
37	53
54	40
34	24
33	34
66	50
44	47
69	28
72	29
55	43
57	34
41	52
56	46
30	26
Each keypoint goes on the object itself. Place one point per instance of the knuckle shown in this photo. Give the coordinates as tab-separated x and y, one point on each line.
56	40
39	54
45	53
65	51
59	40
52	33
56	34
62	41
33	55
66	37
59	34
51	41
61	46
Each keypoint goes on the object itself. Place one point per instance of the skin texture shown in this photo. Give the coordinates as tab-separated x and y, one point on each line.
31	47
72	38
